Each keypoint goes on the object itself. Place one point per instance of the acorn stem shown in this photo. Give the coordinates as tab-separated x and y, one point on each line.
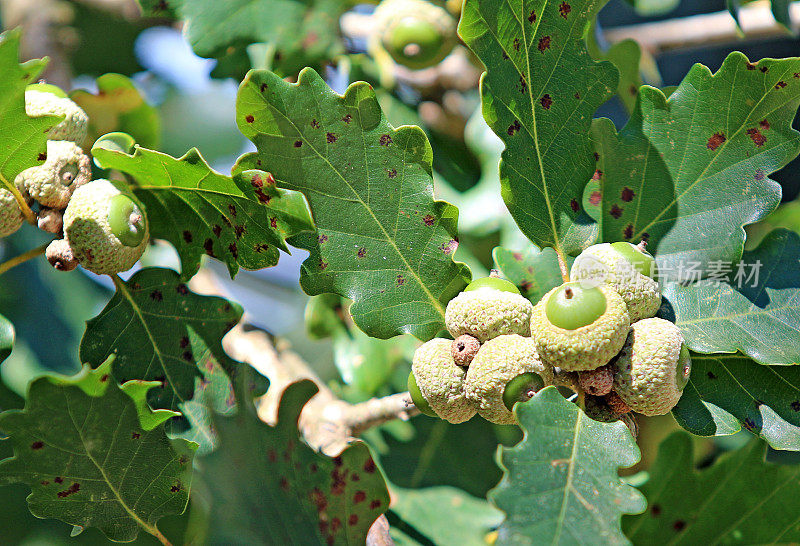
29	215
562	263
22	258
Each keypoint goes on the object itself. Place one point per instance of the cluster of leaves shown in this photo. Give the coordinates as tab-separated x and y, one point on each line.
333	176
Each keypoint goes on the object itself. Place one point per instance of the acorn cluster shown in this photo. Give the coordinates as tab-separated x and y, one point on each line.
596	332
100	224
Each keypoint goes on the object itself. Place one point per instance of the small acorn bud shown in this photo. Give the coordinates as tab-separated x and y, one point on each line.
60	255
50	220
464	349
617	404
597	382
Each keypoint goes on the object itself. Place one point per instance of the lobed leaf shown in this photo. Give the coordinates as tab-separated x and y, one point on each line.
381	239
740	499
682	164
242	220
728	392
159	330
23	140
95	455
294	33
560	484
538	95
264	485
754	307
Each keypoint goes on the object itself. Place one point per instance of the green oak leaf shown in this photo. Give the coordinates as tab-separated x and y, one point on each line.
728	392
23	140
534	271
118	106
754	307
538	96
443	515
291	33
242	220
780	10
6	338
381	239
560	484
160	330
662	174
95	455
740	499
264	485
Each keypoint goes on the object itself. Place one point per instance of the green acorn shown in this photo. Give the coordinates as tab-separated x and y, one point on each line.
440	381
628	269
106	227
53	183
44	100
653	367
579	328
487	308
417	34
506	370
11	217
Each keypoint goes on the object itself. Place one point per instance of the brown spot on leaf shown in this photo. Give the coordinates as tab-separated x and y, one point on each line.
263	87
339	478
523	85
564	9
759	175
104	378
232	209
764	69
385	140
392	173
217	229
58	479
347	118
156	295
331	138
513	128
315	123
322	264
42	157
400	280
574	205
359	496
239	231
74	488
715	140
546	101
756	136
628	231
361	252
515	44
284	484
751	66
627	194
780	85
249	119
187	236
615	212
353	520
182	289
336	524
532	17
656	510
44	482
679	525
184	342
428	220
135	435
187	356
544	43
209	247
369	466
795	405
273	222
764	124
298	143
595	197
322	239
37	445
375	504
